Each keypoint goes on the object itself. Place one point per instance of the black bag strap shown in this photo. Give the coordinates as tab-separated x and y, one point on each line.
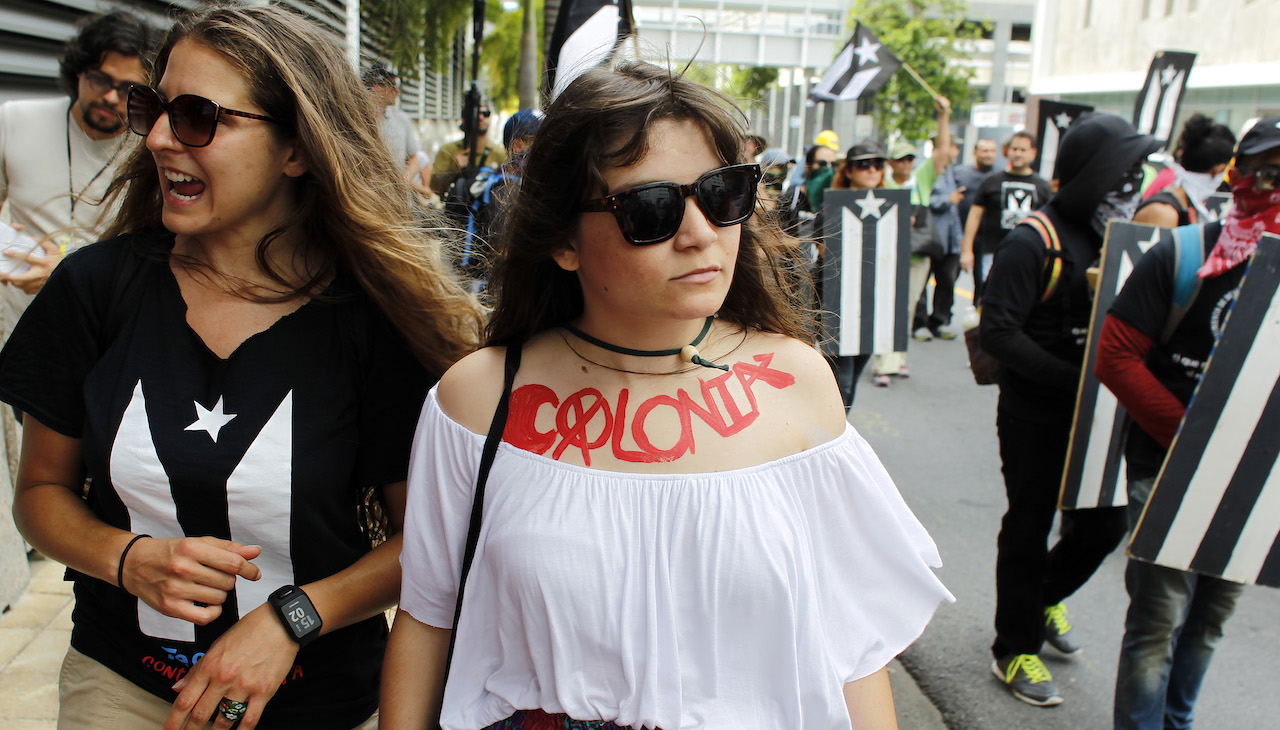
491	442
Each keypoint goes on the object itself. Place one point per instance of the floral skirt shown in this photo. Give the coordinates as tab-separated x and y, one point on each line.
539	720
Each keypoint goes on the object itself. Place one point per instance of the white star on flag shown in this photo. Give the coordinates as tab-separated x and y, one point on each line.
1146	245
1167	75
870	205
1063	120
210	421
867	52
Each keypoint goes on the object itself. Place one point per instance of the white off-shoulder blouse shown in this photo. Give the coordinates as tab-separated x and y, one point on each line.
727	600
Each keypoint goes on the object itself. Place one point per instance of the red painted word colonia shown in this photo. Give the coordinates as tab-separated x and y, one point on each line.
586	420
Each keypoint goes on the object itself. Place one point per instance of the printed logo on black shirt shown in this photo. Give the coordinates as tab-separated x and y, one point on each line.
1019	202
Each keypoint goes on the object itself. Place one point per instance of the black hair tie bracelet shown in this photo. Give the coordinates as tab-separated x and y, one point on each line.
123	553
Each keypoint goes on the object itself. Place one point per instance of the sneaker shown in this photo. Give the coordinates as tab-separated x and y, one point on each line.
903	372
880	381
1028	678
944	334
1058	631
922	334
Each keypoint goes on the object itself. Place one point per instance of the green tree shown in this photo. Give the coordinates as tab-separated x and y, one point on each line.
930	36
501	53
411	30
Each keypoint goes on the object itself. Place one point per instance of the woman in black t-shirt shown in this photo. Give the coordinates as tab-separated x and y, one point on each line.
235	371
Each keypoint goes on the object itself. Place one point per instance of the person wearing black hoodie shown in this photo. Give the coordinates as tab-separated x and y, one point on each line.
1040	343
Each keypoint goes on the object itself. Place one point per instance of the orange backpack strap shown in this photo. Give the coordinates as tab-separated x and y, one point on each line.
1040	222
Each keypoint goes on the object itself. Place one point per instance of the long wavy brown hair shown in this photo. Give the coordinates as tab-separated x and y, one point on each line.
600	122
353	204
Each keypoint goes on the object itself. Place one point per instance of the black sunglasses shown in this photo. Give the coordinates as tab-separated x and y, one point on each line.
1266	177
194	119
103	83
872	164
653	213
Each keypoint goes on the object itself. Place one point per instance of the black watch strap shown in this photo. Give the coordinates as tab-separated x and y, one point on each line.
297	613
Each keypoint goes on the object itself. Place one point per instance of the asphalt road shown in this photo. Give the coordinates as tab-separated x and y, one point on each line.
935	432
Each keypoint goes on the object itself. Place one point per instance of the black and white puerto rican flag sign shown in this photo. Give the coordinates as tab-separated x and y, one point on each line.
1216	206
1052	121
866	265
860	69
1215	508
586	33
1157	104
1093	476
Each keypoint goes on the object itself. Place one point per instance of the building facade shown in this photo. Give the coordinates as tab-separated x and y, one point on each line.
1097	52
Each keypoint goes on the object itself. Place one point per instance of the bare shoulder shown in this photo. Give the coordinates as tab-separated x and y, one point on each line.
814	392
470	390
1157	214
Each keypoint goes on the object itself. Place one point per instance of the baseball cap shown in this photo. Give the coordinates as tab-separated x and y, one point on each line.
828	138
1263	136
773	157
521	124
900	149
865	151
380	74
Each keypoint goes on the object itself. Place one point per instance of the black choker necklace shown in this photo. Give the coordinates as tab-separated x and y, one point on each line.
689	352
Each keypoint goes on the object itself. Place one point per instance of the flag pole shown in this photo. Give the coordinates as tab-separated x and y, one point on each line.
922	82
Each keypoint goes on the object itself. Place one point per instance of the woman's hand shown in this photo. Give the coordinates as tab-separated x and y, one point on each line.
246	664
32	280
966	260
189	577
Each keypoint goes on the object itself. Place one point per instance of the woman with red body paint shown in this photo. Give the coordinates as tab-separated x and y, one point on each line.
679	528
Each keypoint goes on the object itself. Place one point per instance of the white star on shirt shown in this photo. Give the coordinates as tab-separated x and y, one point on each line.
1145	246
1063	120
210	421
870	205
867	52
1167	74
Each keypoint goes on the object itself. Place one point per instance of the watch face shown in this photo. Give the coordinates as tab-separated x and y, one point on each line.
302	619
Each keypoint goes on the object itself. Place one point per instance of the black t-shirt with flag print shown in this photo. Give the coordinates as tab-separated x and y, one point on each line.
1144	304
271	446
1006	199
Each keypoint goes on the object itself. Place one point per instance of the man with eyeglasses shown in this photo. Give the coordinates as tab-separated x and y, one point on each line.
453	157
58	155
1176	618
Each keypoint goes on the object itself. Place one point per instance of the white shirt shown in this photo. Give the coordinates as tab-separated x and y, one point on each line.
38	179
729	600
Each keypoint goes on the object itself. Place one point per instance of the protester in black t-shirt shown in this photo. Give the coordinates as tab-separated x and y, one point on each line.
238	371
1039	342
1002	201
1176	617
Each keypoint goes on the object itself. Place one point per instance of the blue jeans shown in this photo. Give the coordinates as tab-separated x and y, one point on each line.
1175	620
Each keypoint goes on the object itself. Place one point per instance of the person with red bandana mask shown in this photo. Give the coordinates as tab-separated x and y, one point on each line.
1175	618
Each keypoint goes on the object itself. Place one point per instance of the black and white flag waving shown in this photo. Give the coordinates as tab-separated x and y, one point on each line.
1093	474
865	270
1215	508
1052	121
1157	105
587	32
861	68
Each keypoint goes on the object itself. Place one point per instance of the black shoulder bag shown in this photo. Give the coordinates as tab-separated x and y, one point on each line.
477	501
